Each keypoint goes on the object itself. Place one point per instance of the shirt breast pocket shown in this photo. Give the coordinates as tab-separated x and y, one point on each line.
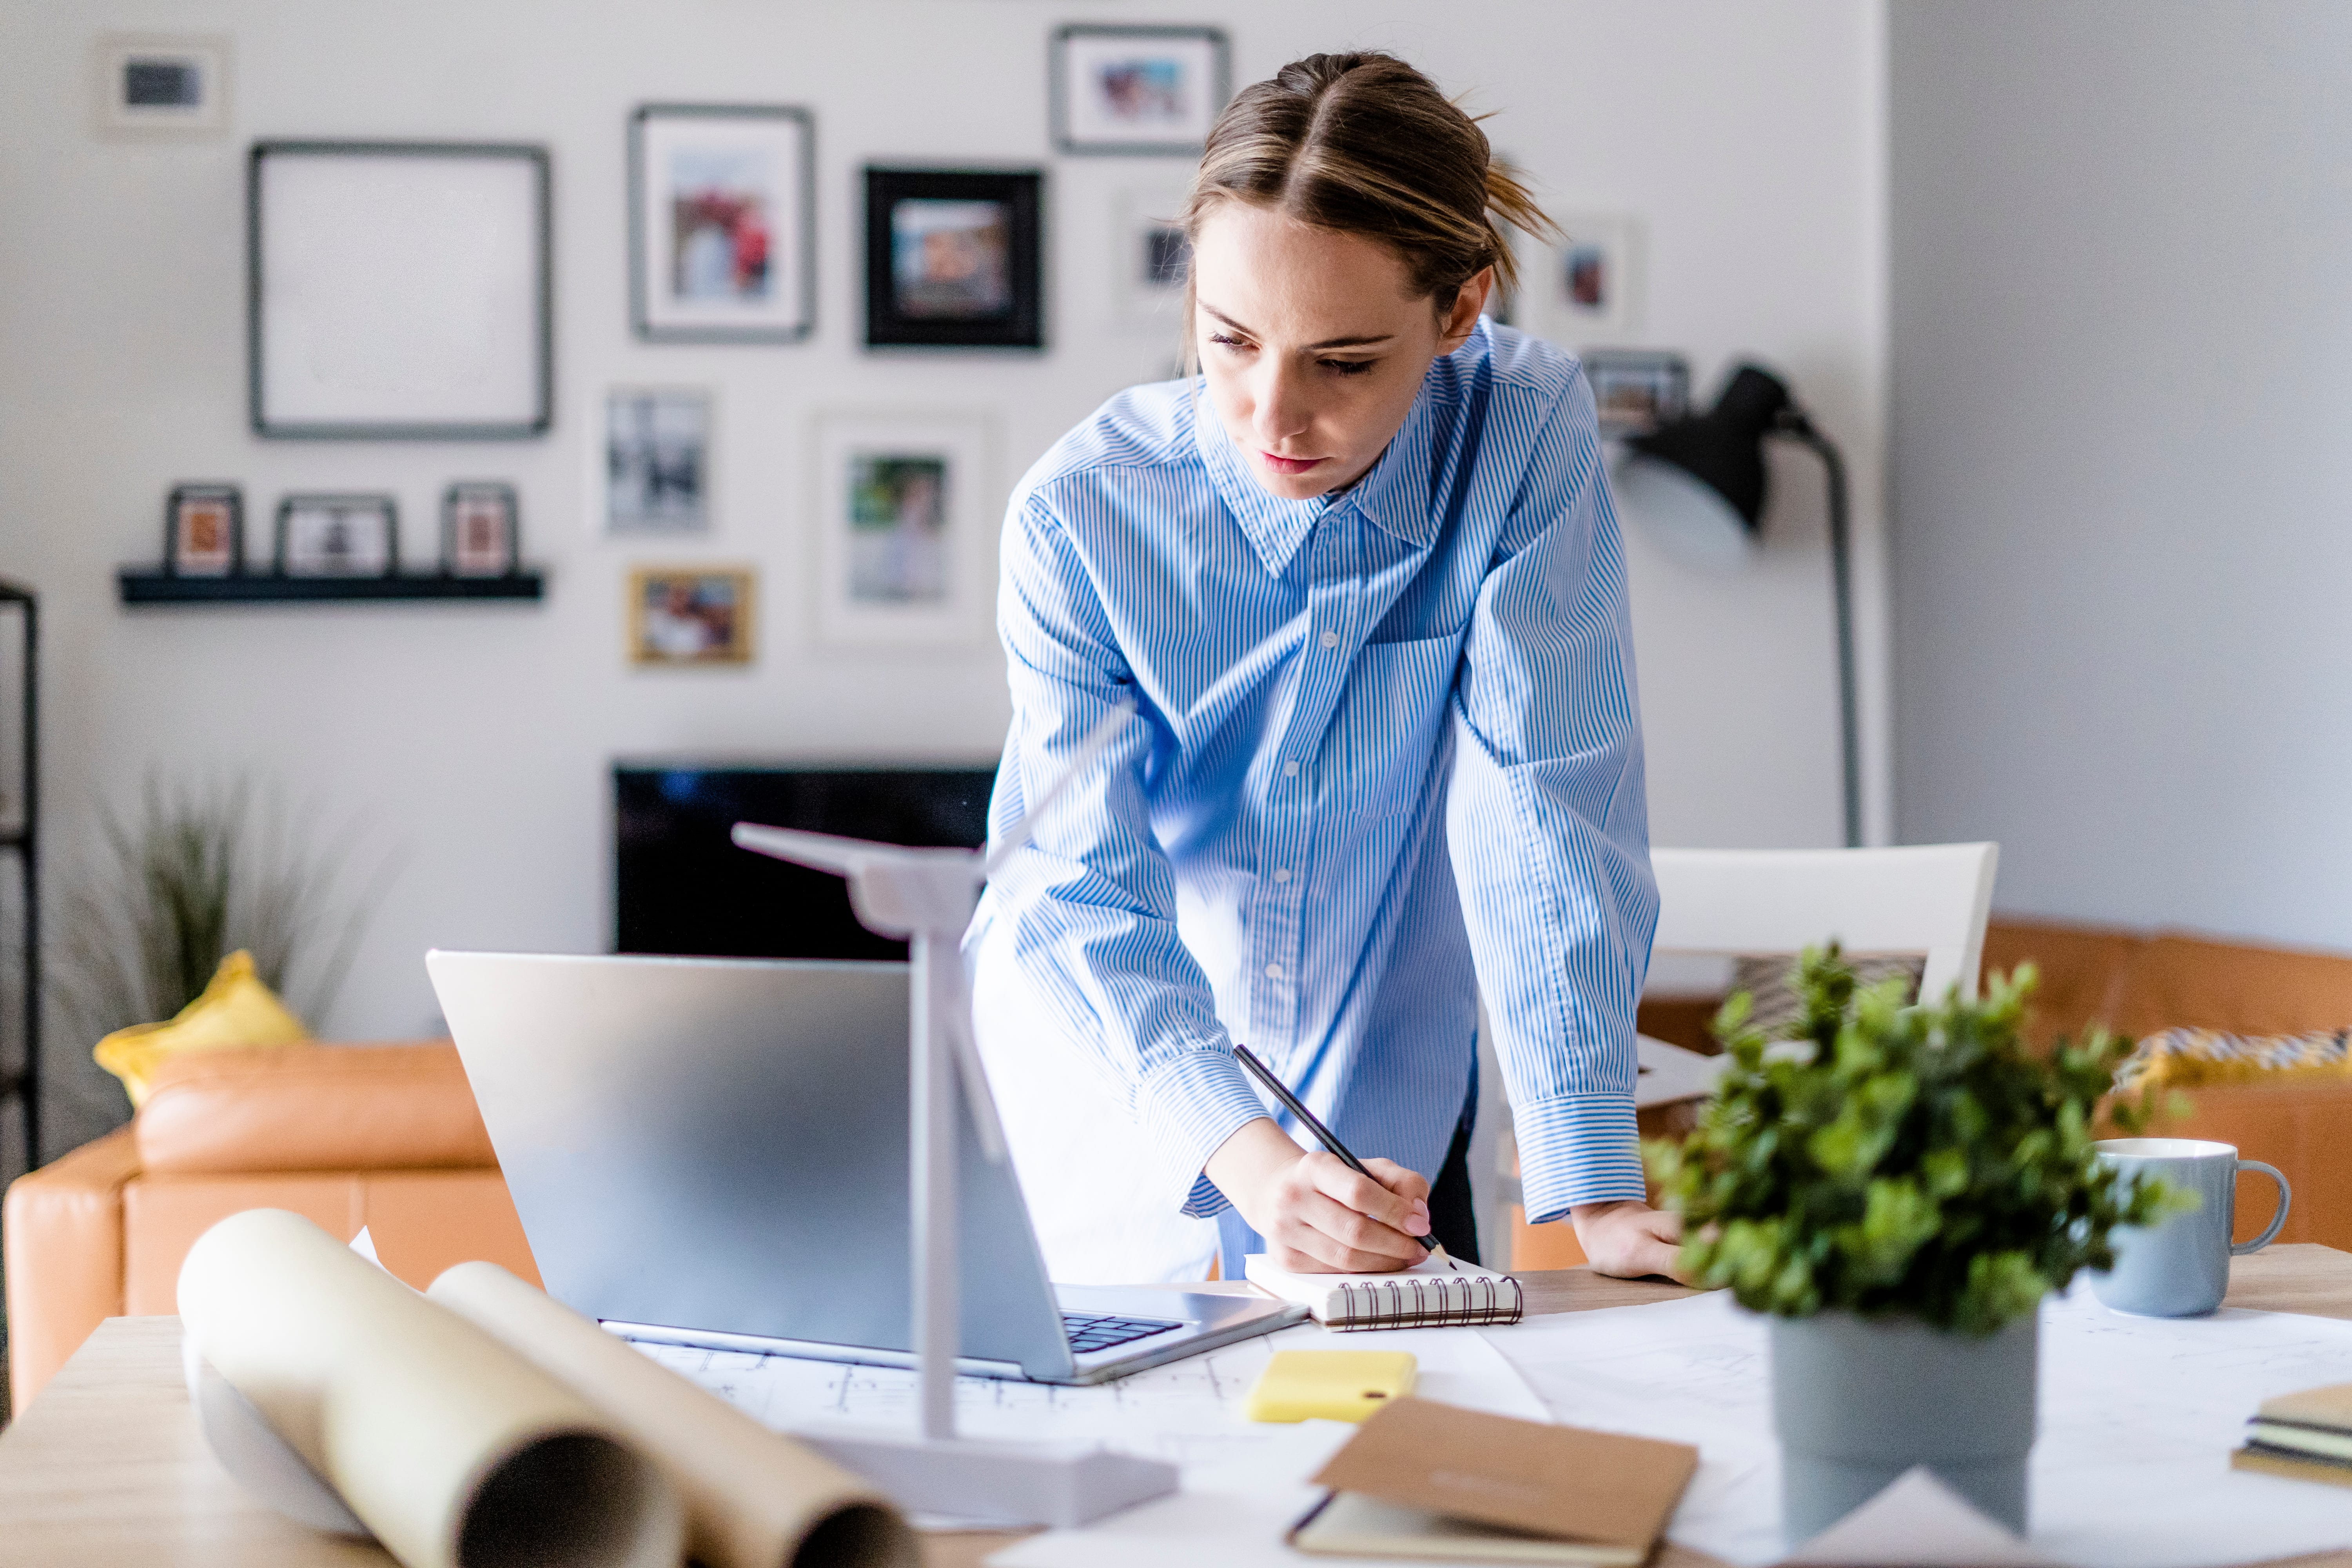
1390	720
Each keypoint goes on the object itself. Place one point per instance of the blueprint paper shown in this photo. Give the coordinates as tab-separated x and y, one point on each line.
1917	1522
2131	1470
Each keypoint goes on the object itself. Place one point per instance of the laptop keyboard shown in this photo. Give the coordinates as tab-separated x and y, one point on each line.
1091	1332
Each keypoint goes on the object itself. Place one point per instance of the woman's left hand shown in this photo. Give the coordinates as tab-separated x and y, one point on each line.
1629	1239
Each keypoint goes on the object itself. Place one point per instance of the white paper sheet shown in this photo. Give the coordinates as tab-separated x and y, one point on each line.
2138	1417
1917	1522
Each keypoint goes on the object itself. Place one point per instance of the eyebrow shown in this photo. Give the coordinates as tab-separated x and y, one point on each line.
1326	343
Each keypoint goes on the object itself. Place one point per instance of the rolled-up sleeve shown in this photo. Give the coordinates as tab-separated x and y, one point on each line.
1091	899
1548	824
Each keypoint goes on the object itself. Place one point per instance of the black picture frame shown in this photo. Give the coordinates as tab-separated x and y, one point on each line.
1020	324
173	566
453	500
537	422
642	312
386	506
1067	139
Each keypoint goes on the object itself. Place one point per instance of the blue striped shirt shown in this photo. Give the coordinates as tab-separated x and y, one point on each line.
1390	754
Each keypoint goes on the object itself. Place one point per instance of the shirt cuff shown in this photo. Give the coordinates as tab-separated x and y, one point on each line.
1191	1106
1578	1149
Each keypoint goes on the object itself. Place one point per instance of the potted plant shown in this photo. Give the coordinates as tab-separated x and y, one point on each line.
1898	1192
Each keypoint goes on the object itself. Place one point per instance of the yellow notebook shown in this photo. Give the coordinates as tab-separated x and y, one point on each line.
1330	1385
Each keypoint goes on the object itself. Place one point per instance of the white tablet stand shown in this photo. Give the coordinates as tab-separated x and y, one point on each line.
927	896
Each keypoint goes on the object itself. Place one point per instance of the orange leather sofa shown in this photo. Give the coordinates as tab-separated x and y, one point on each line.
2137	982
380	1136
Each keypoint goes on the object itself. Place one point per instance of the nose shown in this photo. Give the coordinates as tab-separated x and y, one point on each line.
1282	412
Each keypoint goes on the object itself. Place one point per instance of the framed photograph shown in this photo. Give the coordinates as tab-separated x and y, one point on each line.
1148	91
905	505
203	531
153	84
1153	257
1637	390
1588	288
481	530
398	290
723	223
338	536
686	617
953	258
657	460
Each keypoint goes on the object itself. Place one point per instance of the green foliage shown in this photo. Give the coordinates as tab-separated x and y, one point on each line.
1917	1161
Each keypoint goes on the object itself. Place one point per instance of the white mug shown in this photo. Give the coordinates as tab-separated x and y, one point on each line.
2180	1267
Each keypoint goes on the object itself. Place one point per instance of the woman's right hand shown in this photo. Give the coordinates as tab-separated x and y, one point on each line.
1318	1216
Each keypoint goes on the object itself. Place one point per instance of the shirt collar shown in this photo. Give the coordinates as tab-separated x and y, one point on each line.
1394	494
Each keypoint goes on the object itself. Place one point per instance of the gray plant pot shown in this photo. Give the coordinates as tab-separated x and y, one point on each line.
1858	1401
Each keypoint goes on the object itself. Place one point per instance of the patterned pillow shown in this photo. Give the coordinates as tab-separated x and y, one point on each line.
2187	1058
1769	980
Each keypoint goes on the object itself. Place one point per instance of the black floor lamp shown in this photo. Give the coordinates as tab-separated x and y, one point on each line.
1700	481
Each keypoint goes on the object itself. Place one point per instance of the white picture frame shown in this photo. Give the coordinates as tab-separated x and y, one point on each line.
1586	290
1137	91
172	85
655	460
399	291
902	547
1149	258
722	222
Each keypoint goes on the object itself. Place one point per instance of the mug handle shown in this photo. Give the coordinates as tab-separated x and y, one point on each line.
2285	1197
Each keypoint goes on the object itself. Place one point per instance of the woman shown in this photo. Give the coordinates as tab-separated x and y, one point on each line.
1362	578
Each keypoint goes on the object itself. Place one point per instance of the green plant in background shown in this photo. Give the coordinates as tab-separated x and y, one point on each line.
194	874
1917	1161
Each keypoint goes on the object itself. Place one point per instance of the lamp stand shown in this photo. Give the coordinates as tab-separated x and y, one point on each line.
927	896
1793	424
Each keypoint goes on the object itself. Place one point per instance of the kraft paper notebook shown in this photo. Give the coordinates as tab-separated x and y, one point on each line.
1436	1292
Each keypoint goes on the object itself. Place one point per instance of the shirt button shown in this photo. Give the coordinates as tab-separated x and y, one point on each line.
1274	971
1282	873
1290	770
1331	639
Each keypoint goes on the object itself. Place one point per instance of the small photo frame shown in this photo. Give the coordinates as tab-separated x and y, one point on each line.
481	530
657	460
1588	288
1139	91
690	617
953	258
722	222
153	84
203	531
1153	257
338	536
902	547
1637	390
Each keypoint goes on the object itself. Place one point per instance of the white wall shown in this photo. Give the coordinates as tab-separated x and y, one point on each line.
2122	361
1747	137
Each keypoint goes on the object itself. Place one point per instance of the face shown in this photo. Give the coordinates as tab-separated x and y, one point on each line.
1313	343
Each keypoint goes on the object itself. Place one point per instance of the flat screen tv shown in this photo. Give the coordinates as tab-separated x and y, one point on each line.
684	887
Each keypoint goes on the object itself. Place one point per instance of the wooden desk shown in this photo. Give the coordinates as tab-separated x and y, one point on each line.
107	1468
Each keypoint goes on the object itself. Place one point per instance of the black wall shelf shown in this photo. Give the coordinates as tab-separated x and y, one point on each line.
145	585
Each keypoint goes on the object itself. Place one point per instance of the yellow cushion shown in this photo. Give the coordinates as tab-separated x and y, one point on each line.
2195	1058
236	1009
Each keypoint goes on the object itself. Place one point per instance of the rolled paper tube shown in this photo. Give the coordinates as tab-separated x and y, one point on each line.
454	1451
754	1498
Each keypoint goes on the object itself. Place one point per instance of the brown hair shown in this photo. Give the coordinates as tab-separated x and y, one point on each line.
1365	144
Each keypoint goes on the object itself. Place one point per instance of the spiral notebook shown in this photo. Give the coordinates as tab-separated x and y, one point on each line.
1436	1292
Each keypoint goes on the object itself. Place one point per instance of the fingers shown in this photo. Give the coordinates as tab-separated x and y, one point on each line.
1330	1218
1398	1199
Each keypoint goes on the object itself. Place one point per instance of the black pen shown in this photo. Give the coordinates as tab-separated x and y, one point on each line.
1323	1134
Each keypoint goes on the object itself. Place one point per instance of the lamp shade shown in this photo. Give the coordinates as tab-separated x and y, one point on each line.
1698	483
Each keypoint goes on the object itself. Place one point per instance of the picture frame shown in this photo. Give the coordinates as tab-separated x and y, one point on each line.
954	258
1588	288
1151	258
161	84
481	530
657	460
905	506
692	616
1634	391
722	222
1137	91
203	531
398	290
338	535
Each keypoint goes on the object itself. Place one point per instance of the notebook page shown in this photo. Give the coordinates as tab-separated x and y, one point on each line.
1434	1292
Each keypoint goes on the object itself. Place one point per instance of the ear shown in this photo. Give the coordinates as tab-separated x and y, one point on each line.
1463	320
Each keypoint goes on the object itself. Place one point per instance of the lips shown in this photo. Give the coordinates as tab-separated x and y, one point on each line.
1288	465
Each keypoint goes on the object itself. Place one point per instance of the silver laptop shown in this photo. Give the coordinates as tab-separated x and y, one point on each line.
713	1152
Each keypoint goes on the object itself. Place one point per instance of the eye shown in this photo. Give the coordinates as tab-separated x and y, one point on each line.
1224	340
1347	366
